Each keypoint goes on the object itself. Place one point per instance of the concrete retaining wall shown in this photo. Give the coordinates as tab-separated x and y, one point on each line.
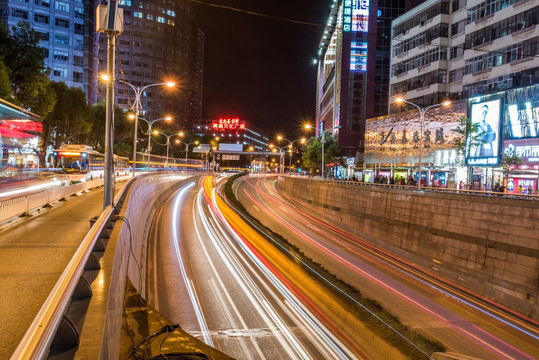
125	256
485	244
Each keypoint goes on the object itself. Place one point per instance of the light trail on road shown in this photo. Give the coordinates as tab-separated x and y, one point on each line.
349	255
202	277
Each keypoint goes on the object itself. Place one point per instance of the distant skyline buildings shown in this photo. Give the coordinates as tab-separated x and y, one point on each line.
67	36
161	42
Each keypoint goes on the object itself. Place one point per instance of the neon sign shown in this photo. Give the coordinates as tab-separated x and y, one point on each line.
360	16
228	124
347	16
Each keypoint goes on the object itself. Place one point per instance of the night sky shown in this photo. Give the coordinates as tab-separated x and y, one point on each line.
260	69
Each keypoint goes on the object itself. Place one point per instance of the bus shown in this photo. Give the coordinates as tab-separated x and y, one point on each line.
80	162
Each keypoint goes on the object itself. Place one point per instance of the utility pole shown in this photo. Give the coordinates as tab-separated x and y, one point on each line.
107	22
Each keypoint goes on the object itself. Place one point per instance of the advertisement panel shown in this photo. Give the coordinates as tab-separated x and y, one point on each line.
360	16
358	56
522	120
527	186
526	149
487	115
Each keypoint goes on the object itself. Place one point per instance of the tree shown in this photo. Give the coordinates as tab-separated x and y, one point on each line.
468	137
123	130
5	87
510	160
24	59
68	122
312	153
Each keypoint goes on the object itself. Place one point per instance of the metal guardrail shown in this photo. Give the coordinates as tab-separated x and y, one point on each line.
51	318
22	204
423	188
41	333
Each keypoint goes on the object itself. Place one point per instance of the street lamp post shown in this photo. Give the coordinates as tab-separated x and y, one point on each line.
291	145
150	123
422	112
324	142
137	107
167	143
187	150
281	153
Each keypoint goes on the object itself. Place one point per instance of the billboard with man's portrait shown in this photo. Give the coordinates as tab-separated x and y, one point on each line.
485	150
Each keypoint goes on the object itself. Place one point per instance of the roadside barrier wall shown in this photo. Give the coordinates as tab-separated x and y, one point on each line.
487	244
124	257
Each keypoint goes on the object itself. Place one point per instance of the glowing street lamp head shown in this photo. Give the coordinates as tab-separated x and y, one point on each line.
105	77
170	84
131	116
197	142
399	100
155	132
308	126
279	137
446	102
168	118
178	141
181	133
303	140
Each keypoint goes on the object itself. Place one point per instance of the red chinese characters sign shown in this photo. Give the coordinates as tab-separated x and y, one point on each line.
229	124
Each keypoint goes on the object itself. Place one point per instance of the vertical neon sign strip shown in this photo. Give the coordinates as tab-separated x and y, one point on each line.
347	15
360	16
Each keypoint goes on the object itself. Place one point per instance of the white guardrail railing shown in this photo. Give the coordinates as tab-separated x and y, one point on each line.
22	204
37	341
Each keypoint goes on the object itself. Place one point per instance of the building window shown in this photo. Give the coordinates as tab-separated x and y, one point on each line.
61	22
78	60
61	39
61	6
61	72
149	17
161	19
45	3
171	13
138	14
61	55
77	77
171	22
79	29
18	13
79	13
43	19
43	36
125	2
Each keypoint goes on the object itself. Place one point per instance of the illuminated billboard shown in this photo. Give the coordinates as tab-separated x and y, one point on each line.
358	56
360	16
522	120
487	115
228	124
347	15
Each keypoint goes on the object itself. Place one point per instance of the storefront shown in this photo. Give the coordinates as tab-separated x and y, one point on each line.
19	139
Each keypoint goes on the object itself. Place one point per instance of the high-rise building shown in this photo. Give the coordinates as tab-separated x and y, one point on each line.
353	68
459	49
67	33
161	42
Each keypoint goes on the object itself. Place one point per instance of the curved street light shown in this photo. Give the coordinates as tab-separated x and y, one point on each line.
187	148
137	107
291	145
168	141
422	112
150	123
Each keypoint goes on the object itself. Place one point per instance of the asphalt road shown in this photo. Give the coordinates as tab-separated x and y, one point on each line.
34	252
201	277
460	323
